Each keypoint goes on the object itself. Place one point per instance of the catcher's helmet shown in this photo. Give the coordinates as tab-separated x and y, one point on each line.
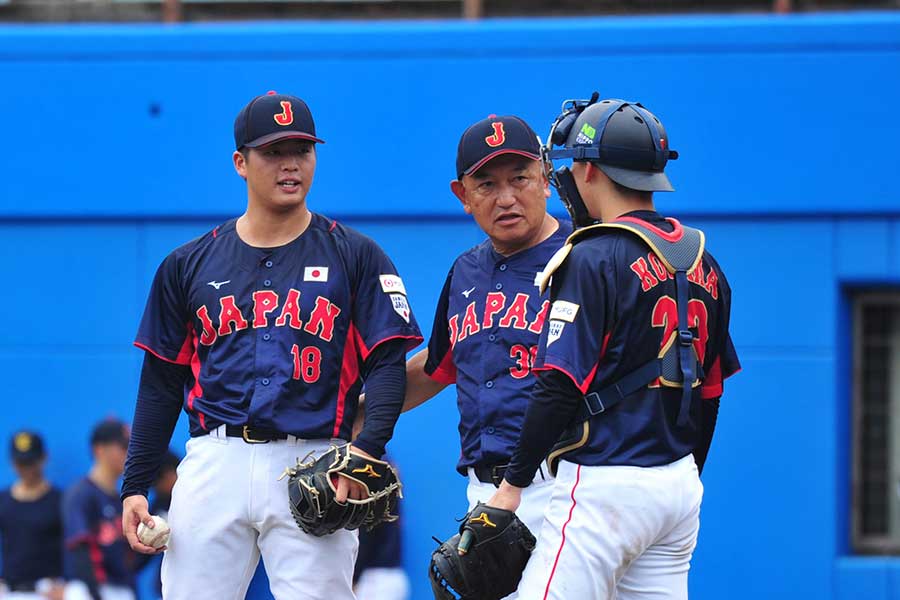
624	139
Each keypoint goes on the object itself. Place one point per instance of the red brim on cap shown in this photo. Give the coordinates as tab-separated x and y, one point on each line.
282	135
497	153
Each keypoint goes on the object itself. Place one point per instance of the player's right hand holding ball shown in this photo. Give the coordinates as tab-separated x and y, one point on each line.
135	511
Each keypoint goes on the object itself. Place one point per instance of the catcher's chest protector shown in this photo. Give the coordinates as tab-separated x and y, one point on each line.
677	362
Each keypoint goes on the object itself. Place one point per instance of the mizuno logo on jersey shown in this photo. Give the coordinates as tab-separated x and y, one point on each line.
515	316
468	291
267	304
218	284
315	274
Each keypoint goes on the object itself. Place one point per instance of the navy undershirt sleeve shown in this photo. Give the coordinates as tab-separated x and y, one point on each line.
384	372
155	415
709	413
554	400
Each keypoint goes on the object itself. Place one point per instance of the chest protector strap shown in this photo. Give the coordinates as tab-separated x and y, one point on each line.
677	362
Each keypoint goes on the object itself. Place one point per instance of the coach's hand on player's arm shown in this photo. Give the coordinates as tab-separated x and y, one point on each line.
507	497
347	488
134	511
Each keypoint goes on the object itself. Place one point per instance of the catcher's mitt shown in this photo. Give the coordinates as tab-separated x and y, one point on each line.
485	560
312	485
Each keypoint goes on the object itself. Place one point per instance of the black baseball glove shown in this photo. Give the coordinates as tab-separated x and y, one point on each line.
485	560
312	486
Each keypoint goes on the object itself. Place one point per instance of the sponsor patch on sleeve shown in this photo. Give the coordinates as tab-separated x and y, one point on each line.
401	306
392	284
564	311
554	330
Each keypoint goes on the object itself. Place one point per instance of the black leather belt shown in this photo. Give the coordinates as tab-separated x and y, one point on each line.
254	435
494	473
490	473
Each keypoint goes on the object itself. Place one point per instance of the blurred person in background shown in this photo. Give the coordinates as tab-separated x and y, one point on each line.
99	565
30	526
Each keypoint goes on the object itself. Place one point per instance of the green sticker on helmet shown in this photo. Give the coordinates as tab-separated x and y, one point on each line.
589	131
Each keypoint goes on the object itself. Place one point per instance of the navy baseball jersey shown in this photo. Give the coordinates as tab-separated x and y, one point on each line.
276	337
612	307
31	534
93	517
484	339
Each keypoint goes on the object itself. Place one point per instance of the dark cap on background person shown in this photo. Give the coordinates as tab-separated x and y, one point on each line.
26	447
492	137
110	431
273	117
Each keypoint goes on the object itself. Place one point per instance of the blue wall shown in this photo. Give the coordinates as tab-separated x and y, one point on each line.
118	143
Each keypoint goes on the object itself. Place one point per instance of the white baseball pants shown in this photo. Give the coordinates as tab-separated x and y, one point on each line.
228	508
625	533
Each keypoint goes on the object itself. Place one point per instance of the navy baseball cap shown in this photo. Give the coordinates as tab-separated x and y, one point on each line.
110	431
491	137
26	447
272	117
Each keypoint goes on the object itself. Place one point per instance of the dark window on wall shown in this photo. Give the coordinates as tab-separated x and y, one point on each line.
876	423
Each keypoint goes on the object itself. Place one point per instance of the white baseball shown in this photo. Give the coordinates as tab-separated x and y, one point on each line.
156	537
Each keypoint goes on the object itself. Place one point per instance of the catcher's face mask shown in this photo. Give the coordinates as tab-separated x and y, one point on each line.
562	178
625	140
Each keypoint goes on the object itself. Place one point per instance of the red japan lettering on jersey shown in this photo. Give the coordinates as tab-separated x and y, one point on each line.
290	311
516	317
451	325
321	321
493	305
264	302
515	314
538	324
231	320
286	116
230	314
470	323
498	137
208	335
